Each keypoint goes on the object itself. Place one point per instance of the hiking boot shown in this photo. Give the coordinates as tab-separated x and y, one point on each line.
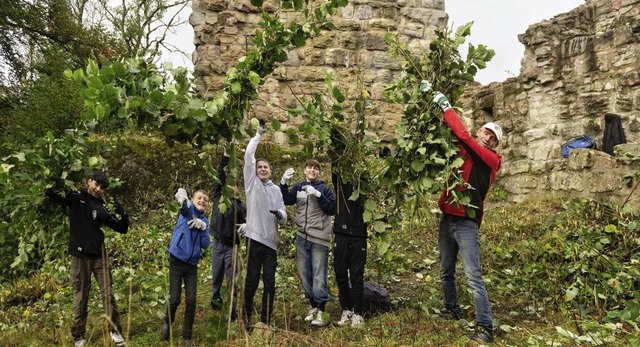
117	339
447	314
188	343
319	321
80	343
164	332
311	314
346	318
481	333
357	321
216	303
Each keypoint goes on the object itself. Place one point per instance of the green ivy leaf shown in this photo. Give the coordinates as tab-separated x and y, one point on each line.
379	226
418	165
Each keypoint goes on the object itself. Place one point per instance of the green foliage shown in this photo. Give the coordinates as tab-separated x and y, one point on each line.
425	151
526	272
424	159
133	95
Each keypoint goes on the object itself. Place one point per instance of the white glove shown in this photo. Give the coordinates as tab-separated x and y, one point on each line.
261	127
425	86
242	229
197	223
288	174
312	191
181	196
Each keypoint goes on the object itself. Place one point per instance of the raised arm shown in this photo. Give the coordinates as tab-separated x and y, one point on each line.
222	176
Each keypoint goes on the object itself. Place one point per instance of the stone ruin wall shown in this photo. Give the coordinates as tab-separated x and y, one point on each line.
576	67
355	52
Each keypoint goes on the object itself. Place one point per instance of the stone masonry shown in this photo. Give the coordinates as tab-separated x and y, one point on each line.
576	67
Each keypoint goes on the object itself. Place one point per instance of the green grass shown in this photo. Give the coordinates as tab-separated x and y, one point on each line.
527	311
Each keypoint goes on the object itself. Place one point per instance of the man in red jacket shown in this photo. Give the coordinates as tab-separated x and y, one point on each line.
460	224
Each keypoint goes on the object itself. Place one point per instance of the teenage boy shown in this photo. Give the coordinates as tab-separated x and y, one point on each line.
265	210
190	237
225	240
87	213
350	241
459	230
315	204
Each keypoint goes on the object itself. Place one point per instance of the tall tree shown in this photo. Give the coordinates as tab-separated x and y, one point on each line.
39	39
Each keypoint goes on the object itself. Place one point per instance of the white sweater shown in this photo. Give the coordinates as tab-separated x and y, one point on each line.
262	225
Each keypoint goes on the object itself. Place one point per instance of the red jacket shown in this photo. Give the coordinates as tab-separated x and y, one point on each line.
479	170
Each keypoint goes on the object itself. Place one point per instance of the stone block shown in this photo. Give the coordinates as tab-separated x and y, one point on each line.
374	41
585	158
516	167
627	151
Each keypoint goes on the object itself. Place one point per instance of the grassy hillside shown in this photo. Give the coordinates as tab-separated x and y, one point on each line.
557	272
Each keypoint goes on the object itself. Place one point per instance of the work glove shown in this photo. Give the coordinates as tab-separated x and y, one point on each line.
311	190
438	98
442	101
261	127
242	229
181	197
197	223
288	174
118	209
425	86
277	213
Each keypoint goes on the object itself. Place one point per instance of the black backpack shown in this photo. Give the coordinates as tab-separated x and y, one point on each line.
375	299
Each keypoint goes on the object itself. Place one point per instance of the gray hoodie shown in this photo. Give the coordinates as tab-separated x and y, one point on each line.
262	225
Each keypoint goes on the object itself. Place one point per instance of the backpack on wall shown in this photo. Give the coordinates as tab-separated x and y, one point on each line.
375	299
581	141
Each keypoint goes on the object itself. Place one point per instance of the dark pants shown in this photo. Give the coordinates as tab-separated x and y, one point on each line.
224	263
349	257
260	257
81	270
180	271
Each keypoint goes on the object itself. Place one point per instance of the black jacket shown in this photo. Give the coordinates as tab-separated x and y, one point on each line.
348	219
223	225
613	133
87	214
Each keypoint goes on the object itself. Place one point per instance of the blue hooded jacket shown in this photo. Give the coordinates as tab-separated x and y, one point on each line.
187	244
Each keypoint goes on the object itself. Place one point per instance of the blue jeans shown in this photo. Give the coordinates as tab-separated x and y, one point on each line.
461	235
313	262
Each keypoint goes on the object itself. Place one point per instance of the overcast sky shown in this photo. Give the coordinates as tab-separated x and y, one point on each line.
496	24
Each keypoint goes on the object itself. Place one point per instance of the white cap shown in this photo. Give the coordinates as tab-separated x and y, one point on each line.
495	128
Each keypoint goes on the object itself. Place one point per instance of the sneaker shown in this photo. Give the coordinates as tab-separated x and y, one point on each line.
481	333
164	332
357	321
319	321
117	339
80	343
311	314
447	314
346	317
188	343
